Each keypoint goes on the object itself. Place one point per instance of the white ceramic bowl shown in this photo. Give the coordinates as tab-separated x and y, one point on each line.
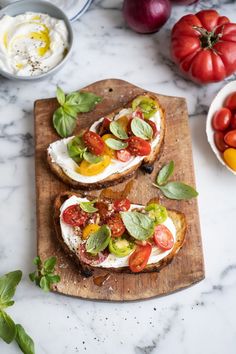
216	104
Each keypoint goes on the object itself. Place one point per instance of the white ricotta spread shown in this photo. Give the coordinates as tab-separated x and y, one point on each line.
73	241
31	43
59	155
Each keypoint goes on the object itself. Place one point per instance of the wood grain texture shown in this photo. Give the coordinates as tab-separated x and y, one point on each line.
187	267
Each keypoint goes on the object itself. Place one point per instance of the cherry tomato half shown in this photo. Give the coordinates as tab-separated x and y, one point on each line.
154	128
116	225
221	119
138	146
74	215
219	141
163	237
103	210
121	204
139	258
88	258
104	127
94	142
231	101
123	155
233	121
230	138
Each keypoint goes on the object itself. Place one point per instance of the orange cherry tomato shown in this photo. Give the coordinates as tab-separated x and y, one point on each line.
94	142
139	258
230	158
230	138
138	146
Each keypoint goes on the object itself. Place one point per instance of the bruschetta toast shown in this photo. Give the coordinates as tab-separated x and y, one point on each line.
116	235
112	148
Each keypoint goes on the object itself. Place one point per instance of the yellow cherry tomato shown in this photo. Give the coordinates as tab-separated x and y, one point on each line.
124	121
93	169
108	151
89	229
230	158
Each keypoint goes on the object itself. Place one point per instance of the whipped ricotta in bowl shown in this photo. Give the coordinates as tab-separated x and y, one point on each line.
32	43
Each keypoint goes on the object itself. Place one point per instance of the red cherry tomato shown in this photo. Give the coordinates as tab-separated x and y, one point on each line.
138	113
105	126
122	204
219	141
139	258
116	225
154	128
231	101
163	237
221	119
103	210
88	258
138	146
230	138
233	121
94	142
123	155
74	215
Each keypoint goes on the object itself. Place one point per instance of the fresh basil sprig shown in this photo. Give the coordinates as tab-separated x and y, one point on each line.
116	144
65	117
118	130
78	151
98	240
141	129
173	190
139	225
88	207
44	276
10	331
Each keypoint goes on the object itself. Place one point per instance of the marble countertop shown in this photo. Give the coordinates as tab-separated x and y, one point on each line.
200	319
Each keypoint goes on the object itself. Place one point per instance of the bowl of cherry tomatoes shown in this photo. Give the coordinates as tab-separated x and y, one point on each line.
221	126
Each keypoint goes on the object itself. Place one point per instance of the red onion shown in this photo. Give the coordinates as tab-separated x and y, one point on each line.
184	2
146	16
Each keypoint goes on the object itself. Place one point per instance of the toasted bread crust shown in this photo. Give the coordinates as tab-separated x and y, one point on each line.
116	177
177	217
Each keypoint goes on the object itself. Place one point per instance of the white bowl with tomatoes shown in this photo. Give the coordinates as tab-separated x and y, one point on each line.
221	126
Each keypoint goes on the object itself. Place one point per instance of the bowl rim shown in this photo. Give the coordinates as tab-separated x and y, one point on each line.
65	18
219	97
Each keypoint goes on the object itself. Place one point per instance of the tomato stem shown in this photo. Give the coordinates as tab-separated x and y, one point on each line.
207	39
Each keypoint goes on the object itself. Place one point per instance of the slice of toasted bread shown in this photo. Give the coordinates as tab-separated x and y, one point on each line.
115	178
177	217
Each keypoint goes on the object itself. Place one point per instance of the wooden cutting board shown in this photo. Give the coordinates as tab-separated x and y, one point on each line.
187	267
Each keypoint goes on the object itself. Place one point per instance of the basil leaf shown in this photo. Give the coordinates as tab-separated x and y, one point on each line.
49	264
117	130
8	284
60	96
63	123
7	328
88	206
32	276
139	225
53	278
71	110
24	341
116	144
98	240
91	158
141	129
165	173
44	284
157	213
37	261
76	149
178	191
84	101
